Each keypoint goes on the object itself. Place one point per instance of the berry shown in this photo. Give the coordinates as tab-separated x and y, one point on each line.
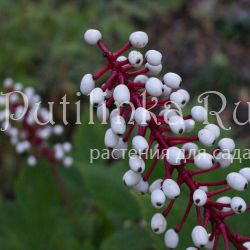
92	36
140	144
121	94
110	138
96	97
171	239
171	189
87	84
136	164
246	173
225	200
237	181
203	160
102	113
118	125
226	145
199	236
206	137
153	70
131	178
172	80
153	57
138	39
154	87
158	198
238	205
214	129
199	197
135	58
175	155
158	223
177	124
199	113
155	185
142	116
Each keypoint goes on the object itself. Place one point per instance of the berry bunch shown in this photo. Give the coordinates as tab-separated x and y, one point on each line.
29	129
138	99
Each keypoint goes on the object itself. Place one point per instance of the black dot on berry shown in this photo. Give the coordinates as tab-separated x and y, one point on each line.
197	201
240	207
138	61
181	131
156	229
139	169
158	204
246	185
183	102
176	196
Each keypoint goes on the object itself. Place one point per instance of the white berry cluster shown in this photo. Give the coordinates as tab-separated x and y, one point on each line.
27	127
149	110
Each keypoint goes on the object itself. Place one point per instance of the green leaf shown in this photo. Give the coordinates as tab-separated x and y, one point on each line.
132	239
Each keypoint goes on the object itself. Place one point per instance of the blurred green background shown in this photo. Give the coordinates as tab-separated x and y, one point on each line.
41	45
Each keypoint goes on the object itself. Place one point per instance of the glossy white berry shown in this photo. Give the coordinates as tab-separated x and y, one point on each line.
153	57
206	137
141	187
158	223
177	124
118	125
226	145
67	147
87	84
185	94
136	163
135	58
171	239
140	144
178	99
204	188
110	139
199	113
155	185
158	198
131	178
189	125
119	150
168	113
225	200
92	36
246	173
238	205
58	130
141	78
237	181
214	129
67	161
175	155
114	113
210	243
121	94
166	91
203	160
102	113
121	58
154	86
31	161
142	116
153	70
96	96
172	80
247	245
199	236
171	189
190	148
138	39
199	197
225	159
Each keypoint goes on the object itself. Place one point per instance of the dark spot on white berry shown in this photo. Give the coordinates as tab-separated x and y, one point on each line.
181	131
156	230
197	201
183	102
138	61
246	185
158	204
139	170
